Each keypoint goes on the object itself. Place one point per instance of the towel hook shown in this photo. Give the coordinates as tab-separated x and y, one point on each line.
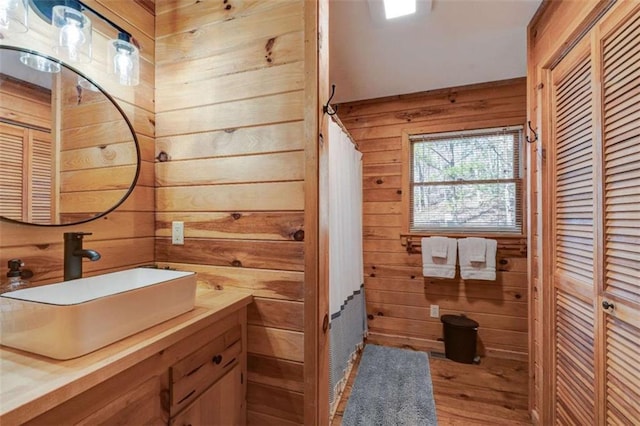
325	108
535	134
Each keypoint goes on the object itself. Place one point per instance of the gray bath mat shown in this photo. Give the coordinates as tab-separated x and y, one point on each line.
392	387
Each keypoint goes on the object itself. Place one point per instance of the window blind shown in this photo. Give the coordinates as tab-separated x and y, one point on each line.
467	181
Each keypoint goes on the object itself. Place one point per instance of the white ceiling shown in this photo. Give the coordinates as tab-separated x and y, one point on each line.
459	42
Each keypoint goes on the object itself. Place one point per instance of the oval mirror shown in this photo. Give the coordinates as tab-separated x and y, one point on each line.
68	153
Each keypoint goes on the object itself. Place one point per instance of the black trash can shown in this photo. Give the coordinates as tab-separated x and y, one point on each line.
460	336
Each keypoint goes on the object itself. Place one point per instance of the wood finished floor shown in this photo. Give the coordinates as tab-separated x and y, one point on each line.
492	393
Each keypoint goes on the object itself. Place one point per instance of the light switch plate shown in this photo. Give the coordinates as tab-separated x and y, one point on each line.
435	311
177	232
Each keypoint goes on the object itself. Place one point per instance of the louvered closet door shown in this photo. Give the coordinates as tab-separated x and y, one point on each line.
12	202
26	178
620	58
42	179
572	248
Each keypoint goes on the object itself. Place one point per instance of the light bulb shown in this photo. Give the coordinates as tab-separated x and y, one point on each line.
124	60
72	39
123	66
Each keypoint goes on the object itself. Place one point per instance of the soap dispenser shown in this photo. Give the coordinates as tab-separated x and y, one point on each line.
15	275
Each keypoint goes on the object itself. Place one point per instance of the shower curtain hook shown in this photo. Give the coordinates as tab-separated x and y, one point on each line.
325	108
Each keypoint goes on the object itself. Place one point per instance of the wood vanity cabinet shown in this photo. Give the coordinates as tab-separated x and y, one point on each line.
218	405
198	380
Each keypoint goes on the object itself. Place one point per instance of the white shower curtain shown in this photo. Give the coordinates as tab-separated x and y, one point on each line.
346	290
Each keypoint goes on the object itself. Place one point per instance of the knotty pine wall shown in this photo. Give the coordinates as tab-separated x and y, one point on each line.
398	296
29	105
229	117
96	167
24	103
125	238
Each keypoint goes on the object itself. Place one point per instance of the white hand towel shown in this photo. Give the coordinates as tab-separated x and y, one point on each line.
439	267
472	270
439	246
477	248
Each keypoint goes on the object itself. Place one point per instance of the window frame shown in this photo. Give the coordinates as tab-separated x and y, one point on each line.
407	185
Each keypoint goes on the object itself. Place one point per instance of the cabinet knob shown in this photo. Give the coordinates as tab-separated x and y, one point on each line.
607	305
217	359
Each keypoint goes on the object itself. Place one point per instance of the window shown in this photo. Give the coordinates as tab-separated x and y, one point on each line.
467	181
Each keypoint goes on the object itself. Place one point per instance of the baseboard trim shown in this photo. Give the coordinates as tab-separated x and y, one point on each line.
428	345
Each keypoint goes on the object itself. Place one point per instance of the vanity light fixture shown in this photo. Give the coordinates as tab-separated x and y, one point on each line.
14	16
74	38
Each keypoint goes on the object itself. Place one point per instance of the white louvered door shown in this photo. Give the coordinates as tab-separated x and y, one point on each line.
619	54
573	230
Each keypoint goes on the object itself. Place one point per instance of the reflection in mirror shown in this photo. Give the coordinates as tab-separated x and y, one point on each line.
67	152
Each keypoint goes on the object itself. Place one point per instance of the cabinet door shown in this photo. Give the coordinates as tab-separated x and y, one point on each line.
620	57
222	404
194	374
139	406
126	404
573	235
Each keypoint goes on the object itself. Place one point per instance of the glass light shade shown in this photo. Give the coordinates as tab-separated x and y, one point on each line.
124	62
39	63
14	16
74	34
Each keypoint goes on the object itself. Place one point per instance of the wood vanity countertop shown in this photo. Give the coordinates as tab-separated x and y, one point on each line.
31	384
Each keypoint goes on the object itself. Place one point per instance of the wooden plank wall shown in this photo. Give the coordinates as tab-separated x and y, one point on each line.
29	105
398	297
125	238
26	104
229	118
103	165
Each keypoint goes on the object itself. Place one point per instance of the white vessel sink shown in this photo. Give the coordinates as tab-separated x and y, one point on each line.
72	318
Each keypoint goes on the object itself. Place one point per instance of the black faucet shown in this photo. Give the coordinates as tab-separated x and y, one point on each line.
73	254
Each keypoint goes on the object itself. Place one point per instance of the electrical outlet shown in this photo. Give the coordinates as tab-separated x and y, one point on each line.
177	232
435	311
